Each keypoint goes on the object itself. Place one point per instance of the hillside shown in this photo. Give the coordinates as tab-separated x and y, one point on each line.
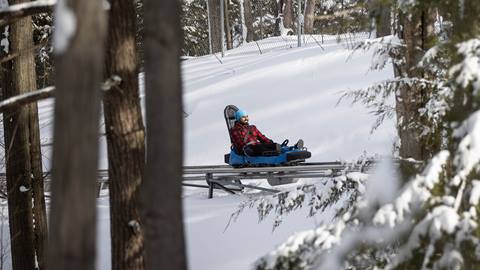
289	93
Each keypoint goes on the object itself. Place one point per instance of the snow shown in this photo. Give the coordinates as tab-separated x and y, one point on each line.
469	147
4	43
382	185
290	93
475	193
469	68
19	6
415	193
440	221
65	27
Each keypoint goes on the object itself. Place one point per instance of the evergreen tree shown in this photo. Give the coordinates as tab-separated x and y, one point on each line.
432	222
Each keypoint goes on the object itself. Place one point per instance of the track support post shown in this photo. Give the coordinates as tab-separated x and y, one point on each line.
208	177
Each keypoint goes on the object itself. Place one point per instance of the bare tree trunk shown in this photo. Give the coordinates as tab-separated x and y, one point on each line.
309	16
380	11
384	22
215	28
39	209
288	13
228	31
125	139
17	157
19	78
79	63
279	18
161	189
247	6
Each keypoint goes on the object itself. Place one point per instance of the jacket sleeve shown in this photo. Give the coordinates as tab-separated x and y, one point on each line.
262	138
237	139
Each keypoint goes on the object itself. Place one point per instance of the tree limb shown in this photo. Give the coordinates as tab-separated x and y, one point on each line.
26	98
49	92
18	11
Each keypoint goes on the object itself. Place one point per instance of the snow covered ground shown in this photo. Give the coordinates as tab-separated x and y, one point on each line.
289	93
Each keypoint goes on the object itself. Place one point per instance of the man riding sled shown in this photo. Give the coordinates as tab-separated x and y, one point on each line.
248	140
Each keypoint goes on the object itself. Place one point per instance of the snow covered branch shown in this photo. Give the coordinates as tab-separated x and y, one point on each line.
18	11
26	98
47	92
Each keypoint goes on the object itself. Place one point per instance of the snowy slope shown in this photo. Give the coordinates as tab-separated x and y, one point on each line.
289	93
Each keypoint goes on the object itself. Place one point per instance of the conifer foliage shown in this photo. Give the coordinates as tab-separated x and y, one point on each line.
432	221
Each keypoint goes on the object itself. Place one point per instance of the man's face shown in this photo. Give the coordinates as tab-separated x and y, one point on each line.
244	120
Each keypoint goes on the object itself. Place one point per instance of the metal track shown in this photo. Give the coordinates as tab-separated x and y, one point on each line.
224	176
229	179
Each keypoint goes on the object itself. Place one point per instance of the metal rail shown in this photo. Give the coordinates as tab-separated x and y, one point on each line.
226	177
229	179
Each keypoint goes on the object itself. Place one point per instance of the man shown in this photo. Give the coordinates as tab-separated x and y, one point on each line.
248	140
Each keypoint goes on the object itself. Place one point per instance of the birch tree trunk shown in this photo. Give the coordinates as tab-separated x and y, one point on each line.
125	138
161	189
79	65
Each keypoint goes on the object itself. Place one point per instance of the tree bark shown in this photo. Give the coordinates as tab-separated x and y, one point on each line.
380	11
228	31
309	16
125	139
17	157
383	20
79	65
418	35
247	7
39	209
26	58
161	189
215	28
19	77
278	18
287	13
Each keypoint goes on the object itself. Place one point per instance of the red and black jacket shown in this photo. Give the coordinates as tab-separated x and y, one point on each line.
243	135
